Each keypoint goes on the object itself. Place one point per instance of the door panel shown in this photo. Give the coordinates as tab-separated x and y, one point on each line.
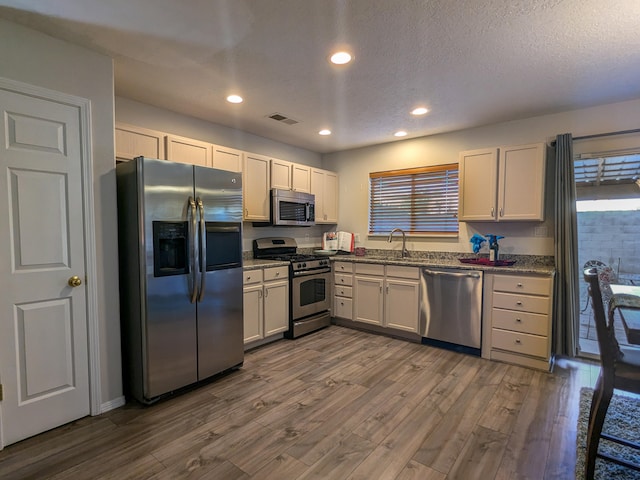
43	325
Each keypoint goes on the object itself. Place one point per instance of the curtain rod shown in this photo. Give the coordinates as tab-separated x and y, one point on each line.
597	135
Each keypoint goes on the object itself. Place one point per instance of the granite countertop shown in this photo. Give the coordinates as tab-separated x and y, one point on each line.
532	264
523	263
253	264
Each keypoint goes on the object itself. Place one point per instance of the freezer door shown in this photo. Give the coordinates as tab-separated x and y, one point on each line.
170	345
220	323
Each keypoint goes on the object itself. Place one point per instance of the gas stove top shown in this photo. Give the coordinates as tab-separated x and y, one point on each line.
284	249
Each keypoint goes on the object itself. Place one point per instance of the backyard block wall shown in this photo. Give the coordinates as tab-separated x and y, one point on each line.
613	238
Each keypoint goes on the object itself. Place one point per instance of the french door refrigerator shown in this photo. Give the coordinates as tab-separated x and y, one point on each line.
180	249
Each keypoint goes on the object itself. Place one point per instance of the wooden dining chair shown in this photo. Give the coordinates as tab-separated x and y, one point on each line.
620	369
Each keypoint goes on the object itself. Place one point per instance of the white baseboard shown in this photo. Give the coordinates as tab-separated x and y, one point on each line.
112	404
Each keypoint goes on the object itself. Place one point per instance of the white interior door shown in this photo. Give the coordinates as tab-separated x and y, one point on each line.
44	368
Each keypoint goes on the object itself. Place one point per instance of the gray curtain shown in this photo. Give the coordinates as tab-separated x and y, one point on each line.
566	305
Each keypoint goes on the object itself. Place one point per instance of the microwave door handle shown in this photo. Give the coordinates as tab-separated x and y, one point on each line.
308	211
192	249
203	250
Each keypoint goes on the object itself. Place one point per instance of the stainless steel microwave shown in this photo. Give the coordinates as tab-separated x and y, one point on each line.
292	208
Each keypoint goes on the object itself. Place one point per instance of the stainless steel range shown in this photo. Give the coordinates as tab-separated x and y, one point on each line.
309	283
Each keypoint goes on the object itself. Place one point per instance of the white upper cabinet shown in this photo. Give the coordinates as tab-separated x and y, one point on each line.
132	142
290	176
324	185
502	184
521	178
187	150
280	174
255	187
300	178
226	158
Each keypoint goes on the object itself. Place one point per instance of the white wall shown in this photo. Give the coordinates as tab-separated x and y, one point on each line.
31	57
353	167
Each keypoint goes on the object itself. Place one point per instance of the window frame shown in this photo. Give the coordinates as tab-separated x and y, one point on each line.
438	177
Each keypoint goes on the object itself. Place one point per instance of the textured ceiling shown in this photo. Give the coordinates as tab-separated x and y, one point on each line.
470	62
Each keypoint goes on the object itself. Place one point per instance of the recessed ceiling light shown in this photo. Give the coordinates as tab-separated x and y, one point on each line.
419	111
340	58
234	99
324	132
400	133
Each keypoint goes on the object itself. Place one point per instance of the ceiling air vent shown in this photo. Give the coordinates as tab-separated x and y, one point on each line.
284	119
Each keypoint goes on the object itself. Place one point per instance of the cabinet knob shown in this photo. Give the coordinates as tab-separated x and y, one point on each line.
519	320
277	274
519	285
519	303
518	341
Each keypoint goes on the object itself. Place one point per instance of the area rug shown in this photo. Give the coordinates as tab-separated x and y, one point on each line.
622	420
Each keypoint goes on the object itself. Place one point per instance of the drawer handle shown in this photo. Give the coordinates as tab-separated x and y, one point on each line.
277	274
248	278
519	285
519	303
518	341
519	320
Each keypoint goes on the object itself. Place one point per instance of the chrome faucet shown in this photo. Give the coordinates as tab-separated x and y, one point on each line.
405	252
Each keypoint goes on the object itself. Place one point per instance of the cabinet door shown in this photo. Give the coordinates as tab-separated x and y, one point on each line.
255	187
478	185
226	158
276	307
331	197
401	305
324	185
317	188
301	178
253	313
132	142
186	150
368	300
521	184
280	174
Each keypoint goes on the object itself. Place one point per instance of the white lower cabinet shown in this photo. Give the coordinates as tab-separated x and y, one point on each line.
387	296
265	302
517	326
343	290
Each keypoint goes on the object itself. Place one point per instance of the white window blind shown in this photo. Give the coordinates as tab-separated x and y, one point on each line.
418	200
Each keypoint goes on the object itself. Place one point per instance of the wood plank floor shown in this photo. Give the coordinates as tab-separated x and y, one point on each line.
336	404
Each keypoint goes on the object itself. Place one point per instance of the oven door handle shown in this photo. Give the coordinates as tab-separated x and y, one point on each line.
306	273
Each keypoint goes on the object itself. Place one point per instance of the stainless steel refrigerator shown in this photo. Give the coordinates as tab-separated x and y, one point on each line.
180	249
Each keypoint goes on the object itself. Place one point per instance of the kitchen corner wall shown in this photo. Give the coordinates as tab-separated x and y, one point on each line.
526	238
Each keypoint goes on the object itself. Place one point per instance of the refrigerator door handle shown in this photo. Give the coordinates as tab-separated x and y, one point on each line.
203	249
192	251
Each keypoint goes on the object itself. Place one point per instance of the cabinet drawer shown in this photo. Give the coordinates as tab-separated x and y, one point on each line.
402	272
523	343
370	269
342	291
522	284
340	267
521	303
252	276
343	307
276	273
340	279
522	322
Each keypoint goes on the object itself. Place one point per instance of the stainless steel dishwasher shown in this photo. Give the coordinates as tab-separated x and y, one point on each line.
451	307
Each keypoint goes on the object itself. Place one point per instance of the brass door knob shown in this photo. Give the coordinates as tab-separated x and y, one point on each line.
75	281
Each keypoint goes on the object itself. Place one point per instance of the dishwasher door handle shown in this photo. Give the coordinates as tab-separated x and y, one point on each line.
451	274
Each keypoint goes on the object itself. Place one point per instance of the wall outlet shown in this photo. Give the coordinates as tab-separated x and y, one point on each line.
356	238
541	231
